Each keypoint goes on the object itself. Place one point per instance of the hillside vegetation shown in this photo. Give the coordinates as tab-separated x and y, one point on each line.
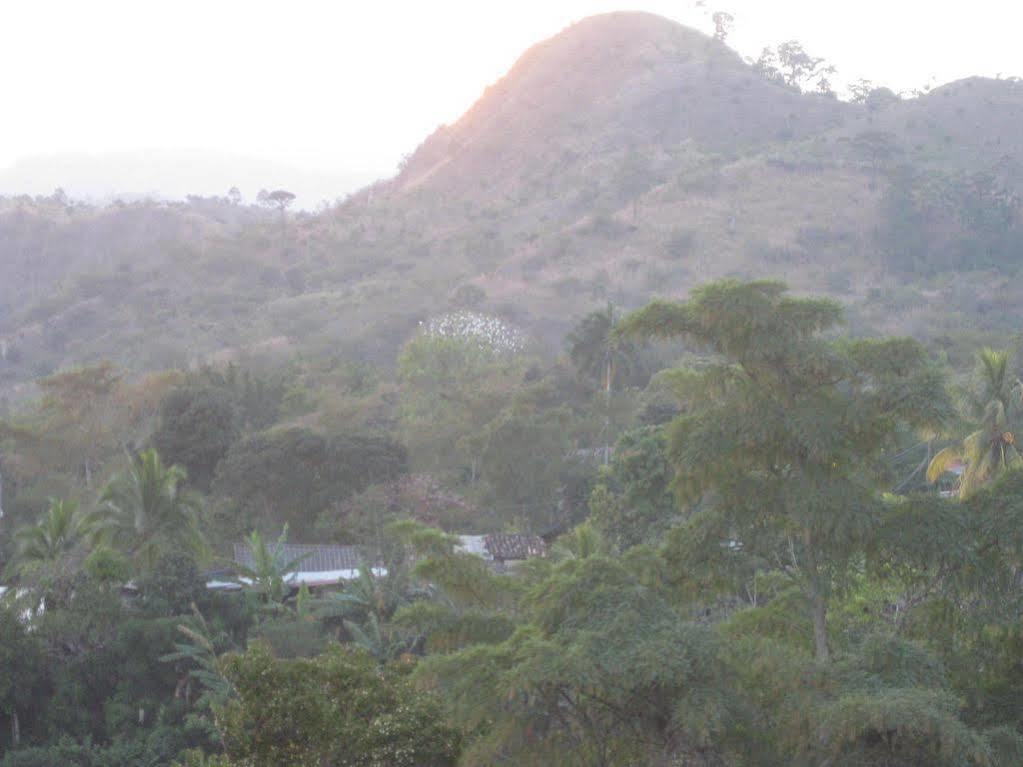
657	412
626	157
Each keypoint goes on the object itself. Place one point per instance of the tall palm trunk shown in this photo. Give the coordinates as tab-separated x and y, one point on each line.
819	609
609	374
818	601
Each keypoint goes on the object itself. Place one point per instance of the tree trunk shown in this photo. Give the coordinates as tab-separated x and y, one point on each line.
818	600
820	625
15	729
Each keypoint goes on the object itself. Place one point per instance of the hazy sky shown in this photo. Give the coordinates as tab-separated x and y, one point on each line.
355	84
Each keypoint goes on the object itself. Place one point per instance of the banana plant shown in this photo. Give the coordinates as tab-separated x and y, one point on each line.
198	652
270	571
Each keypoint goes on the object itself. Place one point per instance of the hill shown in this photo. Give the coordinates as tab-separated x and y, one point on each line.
608	84
624	158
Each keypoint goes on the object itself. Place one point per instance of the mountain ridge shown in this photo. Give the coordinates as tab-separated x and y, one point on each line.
657	162
585	73
169	174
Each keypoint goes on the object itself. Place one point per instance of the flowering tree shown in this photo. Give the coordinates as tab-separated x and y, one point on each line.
456	375
490	333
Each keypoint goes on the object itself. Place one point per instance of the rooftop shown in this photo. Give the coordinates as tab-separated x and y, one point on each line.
315	558
504	546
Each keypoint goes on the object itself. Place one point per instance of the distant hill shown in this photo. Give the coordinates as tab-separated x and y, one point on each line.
167	174
624	158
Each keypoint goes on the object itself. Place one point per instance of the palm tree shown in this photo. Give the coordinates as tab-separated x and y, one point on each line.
597	351
270	568
361	596
581	542
368	594
48	544
382	644
990	449
145	511
996	383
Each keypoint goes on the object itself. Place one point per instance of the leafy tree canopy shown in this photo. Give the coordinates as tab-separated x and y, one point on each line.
782	426
195	429
337	709
289	476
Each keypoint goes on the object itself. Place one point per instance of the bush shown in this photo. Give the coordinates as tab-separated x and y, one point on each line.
293	638
337	709
171	586
197	426
66	753
290	476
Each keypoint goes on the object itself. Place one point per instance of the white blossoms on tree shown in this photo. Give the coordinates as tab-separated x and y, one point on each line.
490	332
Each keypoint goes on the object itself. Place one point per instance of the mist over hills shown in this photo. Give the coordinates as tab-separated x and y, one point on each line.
624	158
173	174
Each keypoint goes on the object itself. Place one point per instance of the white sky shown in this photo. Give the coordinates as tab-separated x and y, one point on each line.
355	84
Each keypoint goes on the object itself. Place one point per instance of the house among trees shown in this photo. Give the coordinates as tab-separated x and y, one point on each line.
317	566
504	550
326	566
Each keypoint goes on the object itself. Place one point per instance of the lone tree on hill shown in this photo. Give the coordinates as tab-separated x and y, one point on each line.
723	22
791	65
280	199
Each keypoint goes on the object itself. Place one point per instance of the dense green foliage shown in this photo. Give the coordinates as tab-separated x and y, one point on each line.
337	709
290	476
780	432
195	430
732	585
633	501
776	538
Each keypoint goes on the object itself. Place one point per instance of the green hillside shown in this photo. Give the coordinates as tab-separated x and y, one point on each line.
657	412
624	158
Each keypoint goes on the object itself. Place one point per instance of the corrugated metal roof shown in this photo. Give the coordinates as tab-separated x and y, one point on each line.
508	546
311	579
316	558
